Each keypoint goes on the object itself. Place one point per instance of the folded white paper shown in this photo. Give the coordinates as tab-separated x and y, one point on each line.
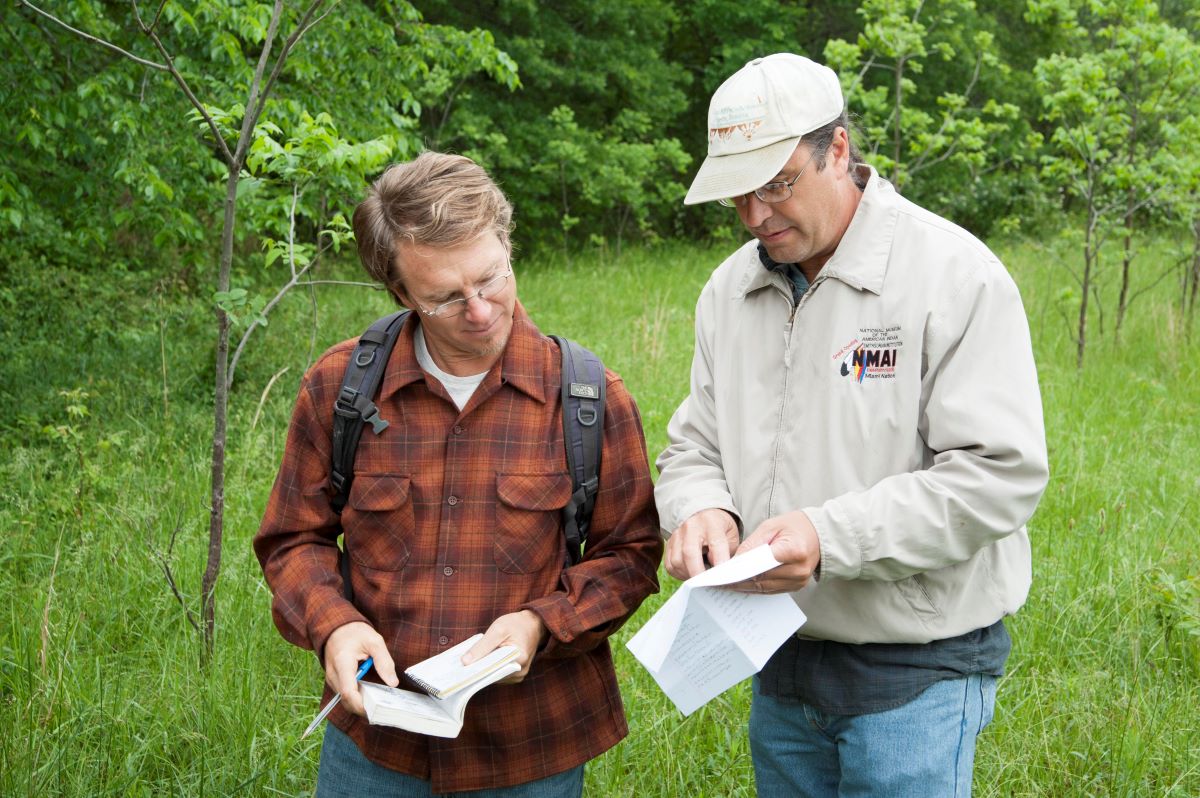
707	638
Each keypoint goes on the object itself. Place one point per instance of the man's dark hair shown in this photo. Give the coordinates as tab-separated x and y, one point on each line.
819	140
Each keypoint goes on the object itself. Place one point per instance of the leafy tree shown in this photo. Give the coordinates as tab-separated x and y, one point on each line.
226	60
899	76
1115	104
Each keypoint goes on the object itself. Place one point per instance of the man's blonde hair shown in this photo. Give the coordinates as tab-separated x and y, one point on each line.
436	200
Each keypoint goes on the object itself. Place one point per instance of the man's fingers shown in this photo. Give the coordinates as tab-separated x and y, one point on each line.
383	664
490	641
693	557
345	652
751	542
717	550
766	532
705	539
676	556
780	579
345	666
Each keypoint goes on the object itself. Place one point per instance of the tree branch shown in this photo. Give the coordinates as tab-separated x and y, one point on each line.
288	286
257	100
1162	275
258	97
187	90
923	162
262	399
94	39
158	14
313	24
164	561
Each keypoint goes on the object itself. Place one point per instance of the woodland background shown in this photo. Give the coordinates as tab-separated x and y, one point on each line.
174	250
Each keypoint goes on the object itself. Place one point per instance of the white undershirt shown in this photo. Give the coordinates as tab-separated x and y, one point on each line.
459	388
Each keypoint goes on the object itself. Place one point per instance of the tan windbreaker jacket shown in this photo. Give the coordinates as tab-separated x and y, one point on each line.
898	406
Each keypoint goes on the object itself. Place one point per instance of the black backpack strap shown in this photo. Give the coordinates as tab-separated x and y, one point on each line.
583	393
355	404
354	408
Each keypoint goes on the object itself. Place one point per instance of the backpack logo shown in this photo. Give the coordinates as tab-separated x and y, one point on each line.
584	390
871	355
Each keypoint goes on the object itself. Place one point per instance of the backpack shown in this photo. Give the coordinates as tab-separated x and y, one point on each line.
583	394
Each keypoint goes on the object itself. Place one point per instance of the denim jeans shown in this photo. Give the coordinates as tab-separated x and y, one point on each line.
923	749
345	773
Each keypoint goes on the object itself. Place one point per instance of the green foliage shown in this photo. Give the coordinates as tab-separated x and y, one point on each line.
921	78
127	177
1121	109
585	138
1115	108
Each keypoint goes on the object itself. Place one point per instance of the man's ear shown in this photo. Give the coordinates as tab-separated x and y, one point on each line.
397	291
839	148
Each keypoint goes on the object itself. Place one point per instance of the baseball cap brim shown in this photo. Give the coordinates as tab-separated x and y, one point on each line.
739	173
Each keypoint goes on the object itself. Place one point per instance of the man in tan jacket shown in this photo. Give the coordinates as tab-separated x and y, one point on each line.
864	400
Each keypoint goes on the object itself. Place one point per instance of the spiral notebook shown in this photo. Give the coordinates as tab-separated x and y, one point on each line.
444	674
448	686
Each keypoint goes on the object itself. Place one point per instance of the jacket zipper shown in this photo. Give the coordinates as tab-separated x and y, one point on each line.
787	373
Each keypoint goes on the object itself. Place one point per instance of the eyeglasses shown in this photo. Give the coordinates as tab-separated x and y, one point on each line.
455	307
777	191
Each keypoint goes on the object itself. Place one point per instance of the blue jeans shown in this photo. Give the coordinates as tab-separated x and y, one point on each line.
923	749
345	773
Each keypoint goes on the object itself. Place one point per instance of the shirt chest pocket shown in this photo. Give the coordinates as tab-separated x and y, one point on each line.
529	520
378	521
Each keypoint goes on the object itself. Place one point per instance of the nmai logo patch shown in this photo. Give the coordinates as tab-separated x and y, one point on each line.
874	354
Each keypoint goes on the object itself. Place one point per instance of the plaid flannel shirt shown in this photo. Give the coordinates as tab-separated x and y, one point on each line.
453	520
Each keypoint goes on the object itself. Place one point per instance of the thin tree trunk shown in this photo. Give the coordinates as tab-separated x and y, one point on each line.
1126	262
1130	209
1191	298
1089	257
216	526
1081	339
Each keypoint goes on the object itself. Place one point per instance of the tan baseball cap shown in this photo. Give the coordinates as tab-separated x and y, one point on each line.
756	119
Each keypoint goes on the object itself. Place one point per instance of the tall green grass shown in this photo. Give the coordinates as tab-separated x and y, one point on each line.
101	687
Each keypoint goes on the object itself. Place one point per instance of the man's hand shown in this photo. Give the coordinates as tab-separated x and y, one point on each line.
345	649
523	629
710	535
793	541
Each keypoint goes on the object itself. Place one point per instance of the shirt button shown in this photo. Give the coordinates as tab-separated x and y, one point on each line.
459	429
453	500
443	640
448	571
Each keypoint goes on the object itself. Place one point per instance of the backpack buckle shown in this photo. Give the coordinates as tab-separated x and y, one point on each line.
377	422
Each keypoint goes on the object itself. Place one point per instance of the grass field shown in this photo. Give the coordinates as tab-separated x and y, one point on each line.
106	435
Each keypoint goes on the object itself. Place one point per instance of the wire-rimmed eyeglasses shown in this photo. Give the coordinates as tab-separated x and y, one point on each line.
775	191
485	292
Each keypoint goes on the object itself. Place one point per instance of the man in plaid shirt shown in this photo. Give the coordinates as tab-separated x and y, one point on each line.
453	524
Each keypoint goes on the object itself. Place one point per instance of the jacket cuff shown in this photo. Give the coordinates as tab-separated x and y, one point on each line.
841	548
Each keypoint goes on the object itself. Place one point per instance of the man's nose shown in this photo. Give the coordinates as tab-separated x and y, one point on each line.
755	211
478	308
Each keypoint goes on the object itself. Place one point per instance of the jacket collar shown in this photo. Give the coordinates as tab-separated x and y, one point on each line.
522	364
861	257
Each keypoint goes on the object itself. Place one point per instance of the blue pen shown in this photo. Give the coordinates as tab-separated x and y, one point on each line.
333	702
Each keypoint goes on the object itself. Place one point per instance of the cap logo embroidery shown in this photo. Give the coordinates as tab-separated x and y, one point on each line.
734	119
724	134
